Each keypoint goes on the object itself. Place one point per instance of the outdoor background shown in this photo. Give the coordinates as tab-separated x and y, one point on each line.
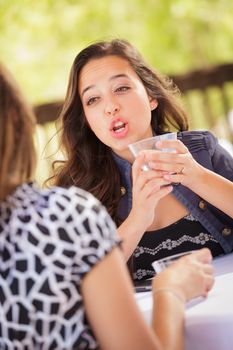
39	40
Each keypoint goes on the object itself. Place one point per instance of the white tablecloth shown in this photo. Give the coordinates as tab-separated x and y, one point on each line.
208	321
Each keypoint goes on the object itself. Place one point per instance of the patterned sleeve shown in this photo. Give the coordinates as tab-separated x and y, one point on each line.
89	228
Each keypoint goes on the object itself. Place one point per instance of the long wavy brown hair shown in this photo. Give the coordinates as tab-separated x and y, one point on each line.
17	122
88	162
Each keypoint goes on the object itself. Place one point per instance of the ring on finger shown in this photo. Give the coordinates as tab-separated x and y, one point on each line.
181	172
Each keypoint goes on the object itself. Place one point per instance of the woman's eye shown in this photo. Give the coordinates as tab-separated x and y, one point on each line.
91	100
122	88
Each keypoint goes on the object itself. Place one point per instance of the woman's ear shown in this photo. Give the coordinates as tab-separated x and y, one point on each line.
153	104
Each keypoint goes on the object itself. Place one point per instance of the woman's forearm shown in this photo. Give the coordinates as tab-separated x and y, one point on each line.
187	278
130	231
168	308
216	190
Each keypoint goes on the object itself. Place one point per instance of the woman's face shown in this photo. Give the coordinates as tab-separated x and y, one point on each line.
115	102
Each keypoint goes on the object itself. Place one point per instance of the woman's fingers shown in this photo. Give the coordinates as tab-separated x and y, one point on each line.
150	180
162	192
208	269
148	188
209	285
169	169
139	166
204	255
179	167
202	263
171	166
168	161
175	144
195	274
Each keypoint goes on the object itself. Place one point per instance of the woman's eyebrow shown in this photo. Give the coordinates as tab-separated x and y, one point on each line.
111	78
118	76
86	89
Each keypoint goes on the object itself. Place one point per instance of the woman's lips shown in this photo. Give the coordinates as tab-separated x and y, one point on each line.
119	128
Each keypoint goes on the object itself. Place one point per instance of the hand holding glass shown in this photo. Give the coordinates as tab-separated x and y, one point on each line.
160	265
150	143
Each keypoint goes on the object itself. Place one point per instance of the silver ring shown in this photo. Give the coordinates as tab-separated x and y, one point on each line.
182	170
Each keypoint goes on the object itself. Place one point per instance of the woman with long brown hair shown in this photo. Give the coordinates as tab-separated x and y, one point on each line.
115	98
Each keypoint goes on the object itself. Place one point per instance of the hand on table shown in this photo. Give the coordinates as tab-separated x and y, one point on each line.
188	277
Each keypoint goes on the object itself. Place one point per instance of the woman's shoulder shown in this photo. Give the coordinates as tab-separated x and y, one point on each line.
196	135
31	194
75	203
72	211
71	196
71	203
206	149
197	140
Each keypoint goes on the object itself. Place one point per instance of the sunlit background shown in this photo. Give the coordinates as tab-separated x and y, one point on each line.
39	40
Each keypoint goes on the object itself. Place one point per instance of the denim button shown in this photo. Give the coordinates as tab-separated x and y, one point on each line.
226	231
202	205
123	190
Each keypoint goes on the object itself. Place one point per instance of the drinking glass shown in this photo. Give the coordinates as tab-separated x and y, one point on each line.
150	143
160	265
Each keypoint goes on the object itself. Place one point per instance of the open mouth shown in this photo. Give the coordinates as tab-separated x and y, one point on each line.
118	127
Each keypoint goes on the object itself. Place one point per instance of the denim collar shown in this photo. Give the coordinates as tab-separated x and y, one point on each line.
125	169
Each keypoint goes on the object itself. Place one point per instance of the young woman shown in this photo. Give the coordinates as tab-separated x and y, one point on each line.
113	99
63	280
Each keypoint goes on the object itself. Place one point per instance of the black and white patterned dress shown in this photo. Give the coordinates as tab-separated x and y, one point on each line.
49	240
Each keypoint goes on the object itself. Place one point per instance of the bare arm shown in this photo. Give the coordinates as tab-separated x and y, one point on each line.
113	313
131	233
167	304
111	307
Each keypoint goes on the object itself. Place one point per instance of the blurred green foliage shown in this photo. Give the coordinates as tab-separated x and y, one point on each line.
39	39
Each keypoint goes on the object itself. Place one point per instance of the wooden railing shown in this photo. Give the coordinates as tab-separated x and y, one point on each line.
47	112
202	81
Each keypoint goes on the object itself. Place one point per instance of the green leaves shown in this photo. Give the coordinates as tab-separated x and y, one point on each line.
39	39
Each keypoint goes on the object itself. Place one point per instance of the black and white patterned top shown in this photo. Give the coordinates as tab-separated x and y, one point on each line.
49	240
184	235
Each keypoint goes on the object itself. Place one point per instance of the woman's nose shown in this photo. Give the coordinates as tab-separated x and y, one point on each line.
112	108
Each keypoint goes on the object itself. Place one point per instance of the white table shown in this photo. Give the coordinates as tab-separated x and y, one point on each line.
208	321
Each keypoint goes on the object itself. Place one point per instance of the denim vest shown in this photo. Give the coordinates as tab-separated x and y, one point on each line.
206	150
